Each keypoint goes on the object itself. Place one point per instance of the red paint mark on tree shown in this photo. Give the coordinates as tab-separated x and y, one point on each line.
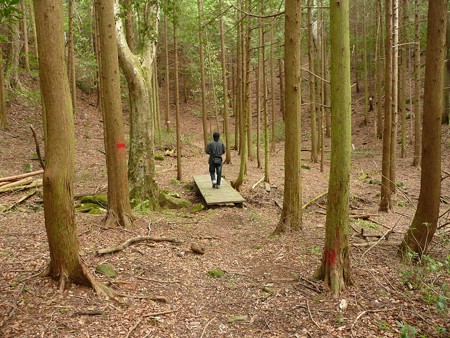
329	255
121	146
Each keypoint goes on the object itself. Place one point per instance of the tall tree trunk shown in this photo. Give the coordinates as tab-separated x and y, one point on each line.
282	91
272	85
366	70
71	59
12	64
446	106
424	224
258	94
234	78
385	203
248	102
139	72
129	33
167	82
291	216
3	111
213	83
265	110
402	74
245	84
26	49
322	86
65	263
335	266
119	209
202	71
417	112
379	71
33	25
177	93
395	104
225	89
312	86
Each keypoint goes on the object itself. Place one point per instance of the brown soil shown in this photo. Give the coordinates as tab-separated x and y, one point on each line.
267	289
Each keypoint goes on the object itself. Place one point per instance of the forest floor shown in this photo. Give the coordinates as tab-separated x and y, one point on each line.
267	289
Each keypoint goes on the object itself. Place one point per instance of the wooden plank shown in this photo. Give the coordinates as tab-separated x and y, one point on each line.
226	194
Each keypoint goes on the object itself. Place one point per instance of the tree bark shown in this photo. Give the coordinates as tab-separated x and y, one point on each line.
385	203
335	267
12	64
3	111
446	106
379	71
119	209
272	86
26	48
225	89
65	263
177	93
139	72
417	112
395	103
366	70
167	82
71	59
312	87
291	216
202	72
424	224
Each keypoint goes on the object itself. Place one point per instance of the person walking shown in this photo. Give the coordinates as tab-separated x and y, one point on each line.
215	149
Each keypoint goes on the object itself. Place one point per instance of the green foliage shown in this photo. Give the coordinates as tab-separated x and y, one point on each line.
407	331
216	273
316	250
423	276
382	325
366	224
97	199
197	207
106	270
9	10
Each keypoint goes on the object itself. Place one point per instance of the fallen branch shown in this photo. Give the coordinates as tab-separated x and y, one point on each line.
154	314
310	315
134	327
387	233
314	200
207	324
38	149
158	281
19	183
259	181
134	240
18	177
368	311
160	299
33	184
22	199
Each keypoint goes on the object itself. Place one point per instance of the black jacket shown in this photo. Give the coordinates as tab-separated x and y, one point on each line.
215	149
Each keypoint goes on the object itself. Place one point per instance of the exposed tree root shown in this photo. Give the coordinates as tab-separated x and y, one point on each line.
124	220
134	240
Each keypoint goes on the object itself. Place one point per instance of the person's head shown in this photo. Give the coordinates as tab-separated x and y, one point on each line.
216	136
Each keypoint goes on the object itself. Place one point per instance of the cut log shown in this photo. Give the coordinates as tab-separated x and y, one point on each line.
19	183
18	177
33	184
133	240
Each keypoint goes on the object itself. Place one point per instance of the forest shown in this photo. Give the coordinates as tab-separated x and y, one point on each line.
334	115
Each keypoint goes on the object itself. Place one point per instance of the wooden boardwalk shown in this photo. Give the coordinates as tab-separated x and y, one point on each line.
226	194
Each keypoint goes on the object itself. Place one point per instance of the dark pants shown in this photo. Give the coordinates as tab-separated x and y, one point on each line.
213	170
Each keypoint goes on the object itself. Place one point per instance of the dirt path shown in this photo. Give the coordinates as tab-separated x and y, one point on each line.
266	290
